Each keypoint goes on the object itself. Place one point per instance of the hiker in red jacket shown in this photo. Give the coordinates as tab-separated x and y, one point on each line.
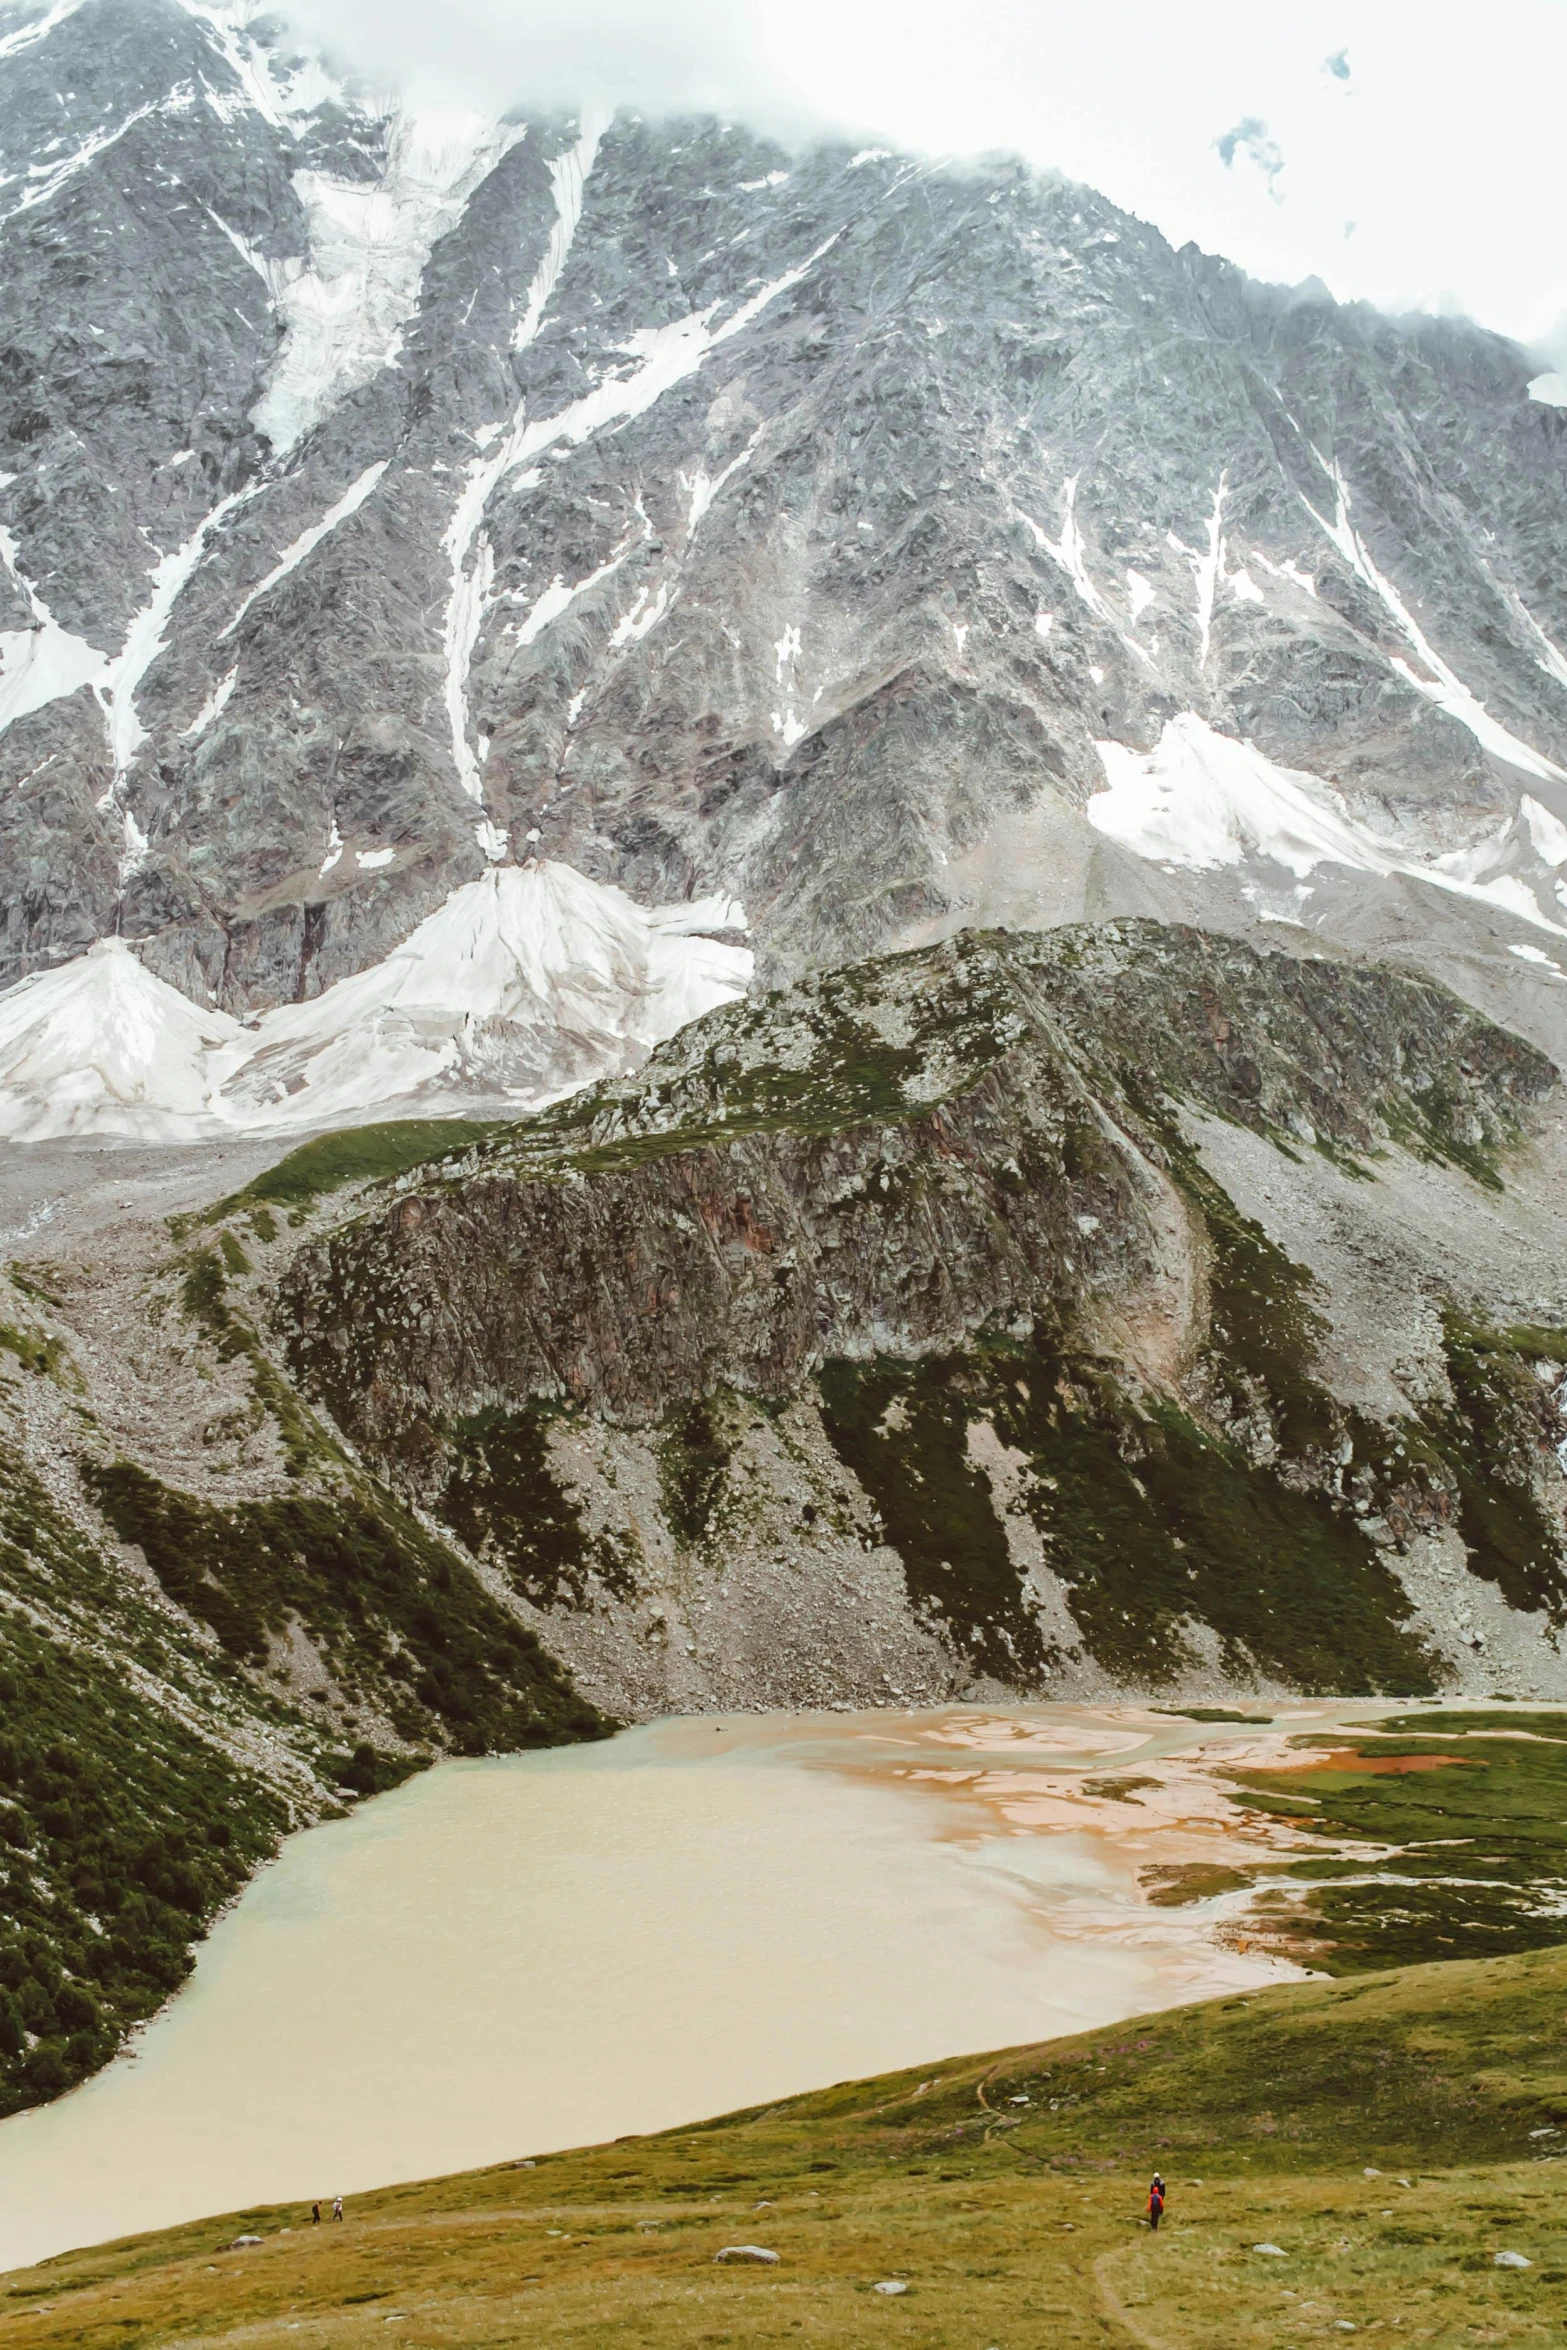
1156	2203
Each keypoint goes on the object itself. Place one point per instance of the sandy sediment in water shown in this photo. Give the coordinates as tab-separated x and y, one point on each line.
529	1952
1156	1802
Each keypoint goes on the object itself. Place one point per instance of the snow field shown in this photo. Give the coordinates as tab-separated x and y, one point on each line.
1200	800
532	972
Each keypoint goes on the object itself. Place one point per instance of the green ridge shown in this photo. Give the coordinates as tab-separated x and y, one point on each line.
393	1612
122	1829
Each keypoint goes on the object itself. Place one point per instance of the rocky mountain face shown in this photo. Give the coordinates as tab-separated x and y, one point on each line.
872	547
967	1264
1031	769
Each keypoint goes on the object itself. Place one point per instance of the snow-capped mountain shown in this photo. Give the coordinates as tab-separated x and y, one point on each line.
395	499
477	591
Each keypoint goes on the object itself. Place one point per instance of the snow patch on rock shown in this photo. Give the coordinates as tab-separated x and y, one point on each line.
308	540
1200	801
529	982
43	663
103	1046
39	29
467	542
144	639
214	705
1441	684
345	306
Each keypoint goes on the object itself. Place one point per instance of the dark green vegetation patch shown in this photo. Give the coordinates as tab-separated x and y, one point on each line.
693	1458
390	1610
121	1832
1264	1324
356	1154
121	1829
1148	1519
504	1501
903	1431
33	1350
1477	1864
1492	1438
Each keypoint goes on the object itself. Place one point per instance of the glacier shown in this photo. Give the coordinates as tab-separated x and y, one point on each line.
1200	800
526	984
346	304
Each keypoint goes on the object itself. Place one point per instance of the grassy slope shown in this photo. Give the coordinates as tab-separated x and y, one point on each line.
151	1760
1012	2225
123	1823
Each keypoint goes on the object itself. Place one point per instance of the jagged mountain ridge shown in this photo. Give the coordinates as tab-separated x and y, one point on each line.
423	492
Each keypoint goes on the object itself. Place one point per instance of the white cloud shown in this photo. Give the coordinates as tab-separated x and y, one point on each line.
661	56
1442	145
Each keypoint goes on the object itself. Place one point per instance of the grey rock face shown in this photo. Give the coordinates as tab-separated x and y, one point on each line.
889	1160
710	517
971	1257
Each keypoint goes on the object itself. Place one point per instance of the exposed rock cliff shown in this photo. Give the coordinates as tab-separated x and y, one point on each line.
944	1233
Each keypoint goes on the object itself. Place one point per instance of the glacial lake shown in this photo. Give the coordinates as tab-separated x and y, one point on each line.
516	1954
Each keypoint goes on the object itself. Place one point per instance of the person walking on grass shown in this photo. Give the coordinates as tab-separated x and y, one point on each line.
1156	2203
315	2215
337	2207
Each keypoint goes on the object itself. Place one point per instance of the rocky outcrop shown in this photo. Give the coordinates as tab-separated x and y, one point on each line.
948	1224
888	1160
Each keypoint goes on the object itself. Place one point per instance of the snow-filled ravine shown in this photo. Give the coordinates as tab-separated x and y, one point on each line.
1200	800
523	985
545	1950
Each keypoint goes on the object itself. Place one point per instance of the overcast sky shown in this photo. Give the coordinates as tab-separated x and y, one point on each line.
1410	154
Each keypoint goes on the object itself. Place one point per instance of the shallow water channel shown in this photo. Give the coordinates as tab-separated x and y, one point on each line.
529	1952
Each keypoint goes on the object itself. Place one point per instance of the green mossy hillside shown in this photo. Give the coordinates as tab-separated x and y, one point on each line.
1252	1519
1396	2067
125	1819
122	1827
121	1832
394	1615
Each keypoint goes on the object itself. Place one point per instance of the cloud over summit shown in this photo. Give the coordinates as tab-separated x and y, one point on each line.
661	57
1449	159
